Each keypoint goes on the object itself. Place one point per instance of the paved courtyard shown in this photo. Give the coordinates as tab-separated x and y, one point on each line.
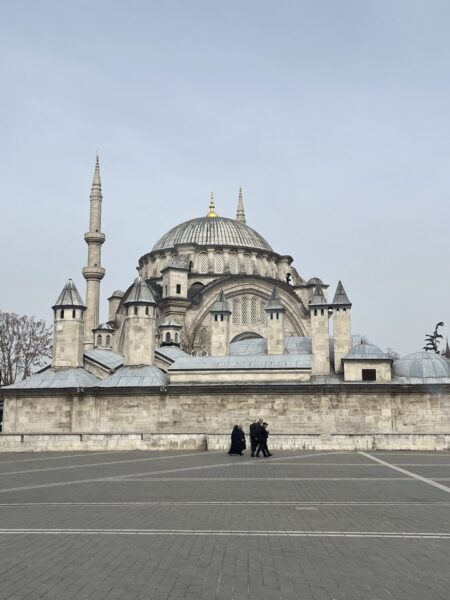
207	526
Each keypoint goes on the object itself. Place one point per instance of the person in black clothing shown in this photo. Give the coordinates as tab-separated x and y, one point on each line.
237	441
262	446
254	430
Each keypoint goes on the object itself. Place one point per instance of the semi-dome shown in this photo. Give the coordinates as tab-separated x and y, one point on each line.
422	364
217	231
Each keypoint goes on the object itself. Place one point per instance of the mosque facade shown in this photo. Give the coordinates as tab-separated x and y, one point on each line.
219	328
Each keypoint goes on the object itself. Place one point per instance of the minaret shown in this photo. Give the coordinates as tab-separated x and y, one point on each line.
94	272
240	214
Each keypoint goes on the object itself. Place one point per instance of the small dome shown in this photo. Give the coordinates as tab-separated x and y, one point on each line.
118	294
314	281
422	365
366	352
207	231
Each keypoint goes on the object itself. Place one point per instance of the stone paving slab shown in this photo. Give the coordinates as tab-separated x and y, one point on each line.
346	538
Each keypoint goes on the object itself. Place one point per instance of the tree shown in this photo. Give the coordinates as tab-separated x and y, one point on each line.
25	343
432	340
391	353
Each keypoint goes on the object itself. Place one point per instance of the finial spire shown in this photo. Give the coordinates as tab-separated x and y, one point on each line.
96	182
212	207
240	214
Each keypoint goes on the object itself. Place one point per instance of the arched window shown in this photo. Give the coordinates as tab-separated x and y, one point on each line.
99	340
244	311
253	311
176	338
203	262
218	262
74	314
203	337
61	314
236	311
262	312
234	264
167	337
260	266
247	264
135	310
108	341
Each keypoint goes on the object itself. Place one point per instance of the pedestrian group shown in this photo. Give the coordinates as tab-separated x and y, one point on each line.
258	439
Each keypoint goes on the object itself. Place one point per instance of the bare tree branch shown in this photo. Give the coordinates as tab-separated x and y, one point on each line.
25	343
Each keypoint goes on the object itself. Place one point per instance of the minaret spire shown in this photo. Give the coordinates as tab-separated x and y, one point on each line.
94	272
240	214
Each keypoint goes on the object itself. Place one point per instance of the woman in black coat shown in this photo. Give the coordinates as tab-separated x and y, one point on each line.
237	441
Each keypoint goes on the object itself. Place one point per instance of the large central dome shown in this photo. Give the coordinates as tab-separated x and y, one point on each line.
217	231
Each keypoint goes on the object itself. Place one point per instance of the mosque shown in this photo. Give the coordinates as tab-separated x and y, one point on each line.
219	328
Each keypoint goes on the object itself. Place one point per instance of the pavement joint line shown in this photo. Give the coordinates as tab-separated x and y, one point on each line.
231	533
81	454
248	479
261	503
219	465
101	464
112	478
409	473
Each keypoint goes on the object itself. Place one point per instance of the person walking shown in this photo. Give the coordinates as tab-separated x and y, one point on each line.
262	445
237	441
254	430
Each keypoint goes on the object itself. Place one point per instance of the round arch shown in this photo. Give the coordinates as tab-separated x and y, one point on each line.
246	335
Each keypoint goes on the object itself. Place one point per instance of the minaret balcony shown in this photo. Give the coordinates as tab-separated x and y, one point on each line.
93	272
94	237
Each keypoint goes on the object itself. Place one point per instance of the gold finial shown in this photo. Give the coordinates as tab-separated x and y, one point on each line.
212	207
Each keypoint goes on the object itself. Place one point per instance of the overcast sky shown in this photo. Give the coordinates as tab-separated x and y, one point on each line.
333	115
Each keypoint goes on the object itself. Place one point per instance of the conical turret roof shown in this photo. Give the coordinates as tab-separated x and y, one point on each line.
69	297
340	297
220	305
318	298
140	293
240	214
275	304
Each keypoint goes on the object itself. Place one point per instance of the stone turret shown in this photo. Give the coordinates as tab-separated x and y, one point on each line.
169	333
320	335
342	332
68	328
93	272
175	278
275	324
220	326
139	338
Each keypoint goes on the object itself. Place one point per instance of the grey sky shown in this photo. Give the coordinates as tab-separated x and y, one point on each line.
333	115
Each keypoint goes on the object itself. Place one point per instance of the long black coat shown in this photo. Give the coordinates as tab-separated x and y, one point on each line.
237	441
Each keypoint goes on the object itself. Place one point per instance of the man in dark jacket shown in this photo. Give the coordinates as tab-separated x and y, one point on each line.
262	437
254	430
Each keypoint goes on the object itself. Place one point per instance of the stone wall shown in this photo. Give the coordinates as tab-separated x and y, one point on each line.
325	412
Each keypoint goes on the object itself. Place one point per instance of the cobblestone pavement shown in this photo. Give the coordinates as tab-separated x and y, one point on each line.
207	526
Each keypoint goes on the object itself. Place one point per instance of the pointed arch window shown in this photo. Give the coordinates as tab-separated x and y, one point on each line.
108	341
244	319
234	264
236	311
99	340
262	312
253	311
218	262
247	264
203	262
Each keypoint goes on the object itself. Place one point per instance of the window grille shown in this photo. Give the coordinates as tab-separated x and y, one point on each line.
244	311
203	262
99	340
253	311
108	341
218	263
262	312
234	266
247	264
236	311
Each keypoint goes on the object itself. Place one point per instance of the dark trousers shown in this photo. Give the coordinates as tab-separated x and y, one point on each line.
253	444
262	447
